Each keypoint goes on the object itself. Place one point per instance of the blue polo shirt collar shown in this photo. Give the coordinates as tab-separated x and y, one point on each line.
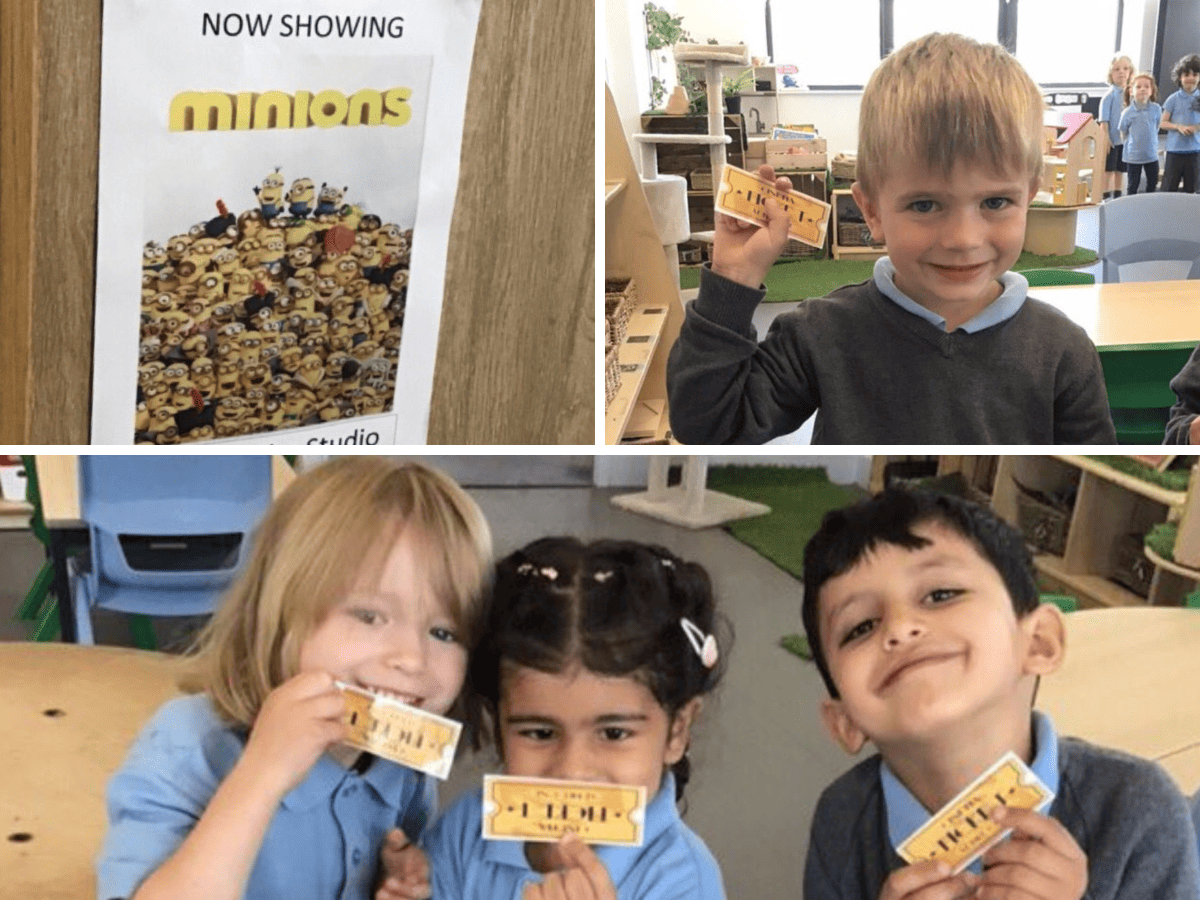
661	814
383	777
1008	304
905	814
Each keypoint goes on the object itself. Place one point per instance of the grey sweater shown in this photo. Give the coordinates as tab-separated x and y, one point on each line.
877	374
1186	386
1124	812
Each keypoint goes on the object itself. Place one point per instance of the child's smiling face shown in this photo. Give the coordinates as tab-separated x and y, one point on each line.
922	640
1189	80
950	237
395	636
580	726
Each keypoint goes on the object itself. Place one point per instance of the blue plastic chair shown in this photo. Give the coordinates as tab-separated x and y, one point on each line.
167	534
1158	227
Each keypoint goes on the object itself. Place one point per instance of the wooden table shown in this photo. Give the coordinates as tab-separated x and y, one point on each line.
1131	681
1131	315
70	714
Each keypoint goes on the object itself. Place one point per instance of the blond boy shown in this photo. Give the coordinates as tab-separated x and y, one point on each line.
942	345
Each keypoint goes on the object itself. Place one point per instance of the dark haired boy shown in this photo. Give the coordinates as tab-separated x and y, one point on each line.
925	623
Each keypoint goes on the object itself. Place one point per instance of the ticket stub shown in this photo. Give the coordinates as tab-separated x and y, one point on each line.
963	830
743	196
543	809
396	731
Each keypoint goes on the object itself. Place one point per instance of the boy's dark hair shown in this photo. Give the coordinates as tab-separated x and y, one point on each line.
1189	63
613	607
849	534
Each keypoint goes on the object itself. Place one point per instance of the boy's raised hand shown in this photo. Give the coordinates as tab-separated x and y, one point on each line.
1040	861
584	878
929	880
405	869
743	252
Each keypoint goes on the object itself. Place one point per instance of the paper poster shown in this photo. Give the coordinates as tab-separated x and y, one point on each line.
276	187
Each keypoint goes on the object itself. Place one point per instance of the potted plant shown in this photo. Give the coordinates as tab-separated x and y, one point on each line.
733	87
662	30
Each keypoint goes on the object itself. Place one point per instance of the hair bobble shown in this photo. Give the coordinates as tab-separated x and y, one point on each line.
705	645
548	572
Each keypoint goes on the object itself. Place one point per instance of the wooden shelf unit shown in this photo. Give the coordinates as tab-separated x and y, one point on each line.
1108	506
633	249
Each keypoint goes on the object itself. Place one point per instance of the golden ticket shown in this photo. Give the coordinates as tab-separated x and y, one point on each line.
963	830
543	809
396	731
743	196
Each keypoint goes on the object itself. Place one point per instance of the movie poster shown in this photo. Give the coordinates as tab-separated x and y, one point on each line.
277	181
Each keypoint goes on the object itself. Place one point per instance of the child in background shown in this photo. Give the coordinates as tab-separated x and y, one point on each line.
1181	117
592	667
924	620
1111	108
942	345
365	571
1139	129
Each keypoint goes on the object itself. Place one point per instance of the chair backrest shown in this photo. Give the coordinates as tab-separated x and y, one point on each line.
1052	277
1145	228
171	521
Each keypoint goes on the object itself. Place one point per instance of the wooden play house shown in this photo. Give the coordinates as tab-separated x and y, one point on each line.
1073	162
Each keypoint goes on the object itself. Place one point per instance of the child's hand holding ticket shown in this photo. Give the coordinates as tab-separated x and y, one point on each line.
964	829
743	196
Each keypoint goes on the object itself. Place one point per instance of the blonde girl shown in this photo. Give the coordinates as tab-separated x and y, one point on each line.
1111	107
1139	130
365	571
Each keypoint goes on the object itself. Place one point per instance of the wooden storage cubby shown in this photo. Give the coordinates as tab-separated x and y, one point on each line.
632	249
1108	505
847	213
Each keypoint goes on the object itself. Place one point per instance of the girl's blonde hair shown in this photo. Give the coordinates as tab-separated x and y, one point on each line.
1153	98
331	527
1115	62
944	98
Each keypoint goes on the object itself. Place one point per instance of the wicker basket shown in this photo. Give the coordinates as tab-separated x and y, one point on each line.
799	250
620	297
612	374
854	234
1042	525
1130	567
844	165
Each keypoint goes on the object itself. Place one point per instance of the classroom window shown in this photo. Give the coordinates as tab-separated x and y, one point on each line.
832	43
838	44
913	18
1084	57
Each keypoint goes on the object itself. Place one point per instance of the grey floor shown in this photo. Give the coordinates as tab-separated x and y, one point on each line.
760	755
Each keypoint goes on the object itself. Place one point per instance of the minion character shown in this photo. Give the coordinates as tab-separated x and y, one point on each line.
298	258
329	201
163	429
249	223
229	373
298	232
154	256
230	409
372	402
299	404
226	261
177	247
203	376
211	288
300	197
311	371
270	195
256	375
273	414
351	216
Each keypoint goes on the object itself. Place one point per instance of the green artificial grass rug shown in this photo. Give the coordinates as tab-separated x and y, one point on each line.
799	498
798	279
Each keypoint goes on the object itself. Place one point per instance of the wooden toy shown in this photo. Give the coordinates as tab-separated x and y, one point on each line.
1073	163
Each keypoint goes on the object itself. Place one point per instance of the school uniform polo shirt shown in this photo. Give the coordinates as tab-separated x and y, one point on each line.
1014	288
671	864
905	814
323	841
1184	109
